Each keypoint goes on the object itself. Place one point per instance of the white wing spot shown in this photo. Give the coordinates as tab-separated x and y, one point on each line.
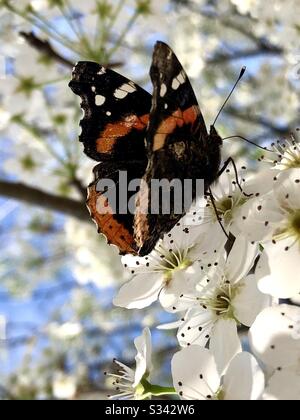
124	90
101	71
163	90
99	100
128	87
181	77
93	88
175	84
178	80
108	113
120	94
166	106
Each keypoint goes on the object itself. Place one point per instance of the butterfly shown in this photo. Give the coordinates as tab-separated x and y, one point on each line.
127	130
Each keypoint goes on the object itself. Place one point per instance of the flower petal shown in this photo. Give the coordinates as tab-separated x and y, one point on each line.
283	385
249	301
196	327
240	259
195	375
277	271
170	325
139	292
181	284
260	183
143	358
287	188
209	244
258	217
275	336
244	379
224	343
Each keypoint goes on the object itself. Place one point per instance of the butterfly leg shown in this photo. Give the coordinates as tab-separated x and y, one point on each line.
223	169
213	202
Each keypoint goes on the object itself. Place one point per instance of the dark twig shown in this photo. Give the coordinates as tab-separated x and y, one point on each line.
247	53
46	48
34	196
257	120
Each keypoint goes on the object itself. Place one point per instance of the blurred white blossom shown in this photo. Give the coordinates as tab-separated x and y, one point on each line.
64	386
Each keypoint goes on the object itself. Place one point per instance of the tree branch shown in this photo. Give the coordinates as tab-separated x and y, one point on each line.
46	48
261	45
257	120
36	197
251	52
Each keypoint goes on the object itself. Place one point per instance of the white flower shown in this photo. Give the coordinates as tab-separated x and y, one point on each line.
16	102
246	6
29	64
32	163
4	119
66	331
274	220
196	377
128	382
85	246
227	297
288	154
281	156
165	273
64	386
228	199
275	339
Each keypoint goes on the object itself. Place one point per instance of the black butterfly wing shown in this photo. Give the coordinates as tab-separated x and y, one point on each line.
175	139
174	104
111	216
116	113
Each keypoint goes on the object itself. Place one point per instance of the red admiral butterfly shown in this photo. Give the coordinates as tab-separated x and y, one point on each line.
158	137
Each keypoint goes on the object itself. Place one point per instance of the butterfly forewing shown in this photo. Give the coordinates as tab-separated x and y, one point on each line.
175	133
174	104
116	113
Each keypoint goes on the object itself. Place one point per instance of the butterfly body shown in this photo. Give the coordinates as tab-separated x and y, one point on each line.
162	137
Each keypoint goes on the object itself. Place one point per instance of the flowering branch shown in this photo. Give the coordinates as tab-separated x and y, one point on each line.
34	196
251	52
45	47
258	120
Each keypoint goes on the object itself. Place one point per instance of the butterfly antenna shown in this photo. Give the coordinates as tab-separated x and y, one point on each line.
230	93
248	141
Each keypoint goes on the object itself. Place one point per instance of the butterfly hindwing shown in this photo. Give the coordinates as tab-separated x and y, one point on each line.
104	202
116	113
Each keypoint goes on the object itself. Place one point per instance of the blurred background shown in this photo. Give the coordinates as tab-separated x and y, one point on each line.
58	328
